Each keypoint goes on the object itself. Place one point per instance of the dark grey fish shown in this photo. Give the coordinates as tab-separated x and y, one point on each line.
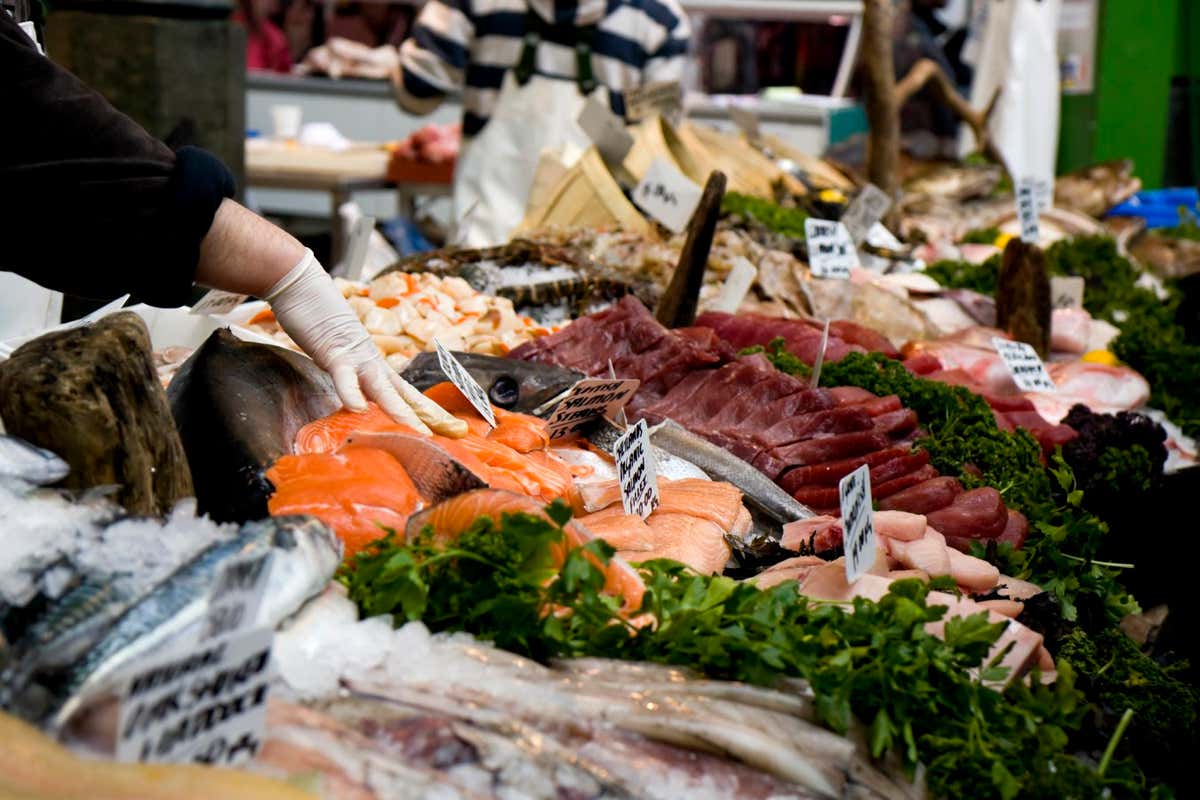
238	406
520	386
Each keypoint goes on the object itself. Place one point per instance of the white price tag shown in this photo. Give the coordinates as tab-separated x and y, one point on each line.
865	210
737	283
1027	209
636	471
831	251
858	523
1066	292
746	120
606	130
236	594
590	398
819	361
465	383
206	706
664	98
1024	365
216	303
667	195
31	31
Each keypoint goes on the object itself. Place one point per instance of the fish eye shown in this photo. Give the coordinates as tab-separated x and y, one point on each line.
505	391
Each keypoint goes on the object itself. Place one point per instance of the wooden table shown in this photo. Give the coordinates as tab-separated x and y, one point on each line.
277	165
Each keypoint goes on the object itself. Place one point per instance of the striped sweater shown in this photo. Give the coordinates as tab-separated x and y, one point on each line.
466	46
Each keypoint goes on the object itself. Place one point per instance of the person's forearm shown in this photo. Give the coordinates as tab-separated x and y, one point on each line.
244	253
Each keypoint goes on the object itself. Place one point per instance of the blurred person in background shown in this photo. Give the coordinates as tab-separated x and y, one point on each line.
266	46
523	71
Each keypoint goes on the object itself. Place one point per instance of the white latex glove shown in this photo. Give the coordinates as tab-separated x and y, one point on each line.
309	307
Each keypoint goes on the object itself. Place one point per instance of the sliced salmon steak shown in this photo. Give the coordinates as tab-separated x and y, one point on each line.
449	519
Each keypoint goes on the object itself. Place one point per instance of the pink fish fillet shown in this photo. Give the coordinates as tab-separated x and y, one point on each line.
900	525
928	554
972	573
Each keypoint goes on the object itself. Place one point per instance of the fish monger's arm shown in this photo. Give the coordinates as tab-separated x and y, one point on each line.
244	253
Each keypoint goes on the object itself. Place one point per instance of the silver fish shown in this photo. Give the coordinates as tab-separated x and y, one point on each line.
669	465
24	464
437	475
305	556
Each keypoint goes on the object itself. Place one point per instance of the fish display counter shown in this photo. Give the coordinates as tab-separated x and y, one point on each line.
694	518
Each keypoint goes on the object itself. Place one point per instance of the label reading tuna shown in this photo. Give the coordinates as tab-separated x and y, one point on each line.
206	706
466	384
866	210
747	121
667	195
590	398
215	303
1066	292
636	471
236	594
664	98
737	283
831	251
858	524
606	130
1024	365
1027	209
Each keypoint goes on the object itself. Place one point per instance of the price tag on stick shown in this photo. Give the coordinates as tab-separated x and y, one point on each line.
831	251
1027	209
1066	292
636	471
606	130
466	384
858	524
815	379
1024	365
215	303
866	210
668	195
590	398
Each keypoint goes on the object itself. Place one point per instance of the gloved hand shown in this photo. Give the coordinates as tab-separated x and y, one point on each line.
309	307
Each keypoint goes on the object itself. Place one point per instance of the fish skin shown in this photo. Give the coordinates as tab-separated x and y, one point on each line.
23	464
305	556
758	491
520	386
238	406
437	475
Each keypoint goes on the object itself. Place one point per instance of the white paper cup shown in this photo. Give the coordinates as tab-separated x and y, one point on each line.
287	121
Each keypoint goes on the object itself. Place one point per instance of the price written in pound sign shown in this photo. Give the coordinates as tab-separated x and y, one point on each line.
636	471
1025	366
659	192
858	524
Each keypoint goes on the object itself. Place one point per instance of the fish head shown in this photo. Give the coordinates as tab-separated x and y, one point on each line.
512	385
305	538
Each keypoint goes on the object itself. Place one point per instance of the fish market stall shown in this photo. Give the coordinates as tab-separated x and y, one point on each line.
813	491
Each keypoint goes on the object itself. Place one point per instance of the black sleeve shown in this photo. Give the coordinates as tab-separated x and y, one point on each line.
90	203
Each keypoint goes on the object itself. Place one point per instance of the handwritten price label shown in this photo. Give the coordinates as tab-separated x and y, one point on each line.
590	398
1028	193
866	210
1024	365
667	195
636	471
831	251
1066	292
215	303
858	524
466	384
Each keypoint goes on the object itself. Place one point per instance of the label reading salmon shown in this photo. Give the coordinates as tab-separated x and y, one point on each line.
1024	365
1027	209
667	195
466	384
590	398
858	524
236	594
215	303
606	130
831	251
203	706
1066	292
865	211
636	471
